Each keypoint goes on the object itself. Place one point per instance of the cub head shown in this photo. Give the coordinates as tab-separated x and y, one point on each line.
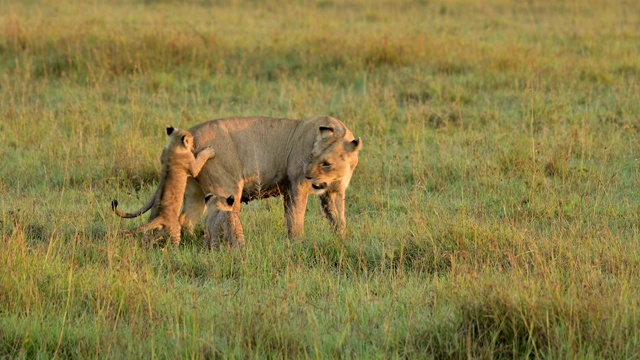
332	159
179	139
220	202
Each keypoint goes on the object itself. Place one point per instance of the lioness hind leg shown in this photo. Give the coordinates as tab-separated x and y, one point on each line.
193	207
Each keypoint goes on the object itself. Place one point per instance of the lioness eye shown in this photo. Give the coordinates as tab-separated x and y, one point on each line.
326	165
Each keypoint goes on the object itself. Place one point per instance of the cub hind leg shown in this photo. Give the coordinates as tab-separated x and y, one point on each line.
148	229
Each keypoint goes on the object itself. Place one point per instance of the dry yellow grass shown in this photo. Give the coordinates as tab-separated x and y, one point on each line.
494	212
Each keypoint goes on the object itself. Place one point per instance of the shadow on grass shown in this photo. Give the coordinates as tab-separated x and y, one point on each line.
361	259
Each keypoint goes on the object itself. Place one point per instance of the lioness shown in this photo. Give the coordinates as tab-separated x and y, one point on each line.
261	157
178	163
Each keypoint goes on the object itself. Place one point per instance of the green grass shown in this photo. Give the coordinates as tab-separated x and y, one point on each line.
495	212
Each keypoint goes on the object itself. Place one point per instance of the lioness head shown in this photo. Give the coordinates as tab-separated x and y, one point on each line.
332	159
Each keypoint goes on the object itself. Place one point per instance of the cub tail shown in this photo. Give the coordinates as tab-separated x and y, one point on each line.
142	210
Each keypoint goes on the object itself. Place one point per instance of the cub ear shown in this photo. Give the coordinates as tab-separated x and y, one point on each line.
326	131
186	141
354	145
170	130
230	200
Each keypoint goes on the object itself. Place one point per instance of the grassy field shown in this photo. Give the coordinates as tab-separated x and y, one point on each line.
495	212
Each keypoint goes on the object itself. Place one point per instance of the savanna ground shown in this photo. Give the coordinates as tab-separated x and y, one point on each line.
494	212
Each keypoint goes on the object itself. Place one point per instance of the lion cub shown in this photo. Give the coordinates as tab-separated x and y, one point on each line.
222	223
178	163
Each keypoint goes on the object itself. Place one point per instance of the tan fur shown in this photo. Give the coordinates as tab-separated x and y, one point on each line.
178	163
258	158
222	223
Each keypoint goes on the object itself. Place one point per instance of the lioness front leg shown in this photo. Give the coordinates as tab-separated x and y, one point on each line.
333	208
295	206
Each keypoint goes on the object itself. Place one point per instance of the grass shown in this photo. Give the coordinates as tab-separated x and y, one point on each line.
494	212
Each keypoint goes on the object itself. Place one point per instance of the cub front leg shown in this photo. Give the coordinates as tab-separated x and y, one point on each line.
201	158
235	234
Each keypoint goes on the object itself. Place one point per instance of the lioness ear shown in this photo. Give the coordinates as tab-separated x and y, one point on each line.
326	131
170	130
354	145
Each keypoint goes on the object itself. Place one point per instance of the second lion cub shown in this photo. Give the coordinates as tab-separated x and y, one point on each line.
222	223
178	163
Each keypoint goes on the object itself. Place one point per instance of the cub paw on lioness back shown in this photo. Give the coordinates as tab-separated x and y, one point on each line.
178	163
